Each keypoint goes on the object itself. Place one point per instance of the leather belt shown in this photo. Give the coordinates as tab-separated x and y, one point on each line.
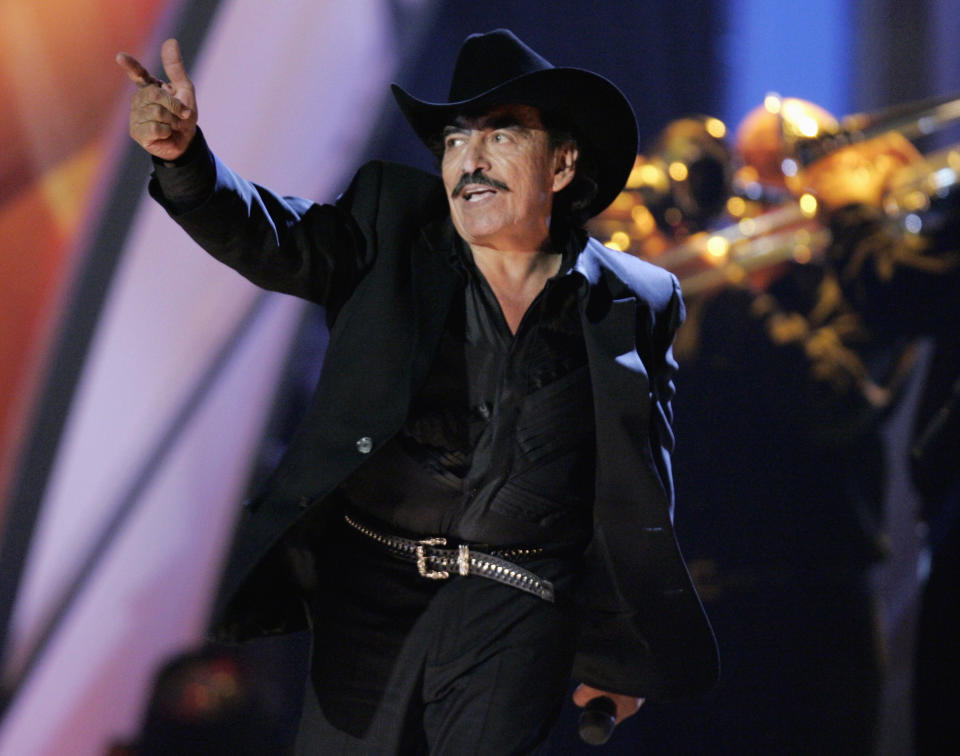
436	560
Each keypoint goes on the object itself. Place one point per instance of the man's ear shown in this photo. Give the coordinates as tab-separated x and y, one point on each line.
564	166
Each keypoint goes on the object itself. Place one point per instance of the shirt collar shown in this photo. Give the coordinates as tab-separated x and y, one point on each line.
462	258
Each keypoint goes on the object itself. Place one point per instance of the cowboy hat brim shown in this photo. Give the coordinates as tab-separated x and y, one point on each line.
594	107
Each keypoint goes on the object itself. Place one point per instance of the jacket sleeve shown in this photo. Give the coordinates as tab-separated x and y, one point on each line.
642	630
663	387
280	243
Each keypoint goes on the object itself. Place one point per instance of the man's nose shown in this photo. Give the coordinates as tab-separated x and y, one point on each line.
475	155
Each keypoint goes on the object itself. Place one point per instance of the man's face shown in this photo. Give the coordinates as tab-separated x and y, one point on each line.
500	174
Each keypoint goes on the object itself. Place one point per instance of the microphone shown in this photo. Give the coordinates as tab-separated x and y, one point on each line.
597	720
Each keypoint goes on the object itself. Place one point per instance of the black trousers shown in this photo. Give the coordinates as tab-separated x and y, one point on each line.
406	665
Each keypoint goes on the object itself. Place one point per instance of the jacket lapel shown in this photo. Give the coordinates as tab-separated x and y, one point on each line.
434	279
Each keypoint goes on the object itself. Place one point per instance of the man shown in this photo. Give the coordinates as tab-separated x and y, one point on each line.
907	285
479	497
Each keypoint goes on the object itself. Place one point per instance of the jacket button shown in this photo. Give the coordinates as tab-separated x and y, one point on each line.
364	445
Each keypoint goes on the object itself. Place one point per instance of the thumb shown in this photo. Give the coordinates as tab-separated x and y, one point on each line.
627	706
173	63
135	70
584	693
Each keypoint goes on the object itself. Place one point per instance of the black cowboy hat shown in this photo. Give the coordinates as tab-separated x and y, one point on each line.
496	68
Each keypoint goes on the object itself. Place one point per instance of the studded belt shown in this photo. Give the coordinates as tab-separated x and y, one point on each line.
438	560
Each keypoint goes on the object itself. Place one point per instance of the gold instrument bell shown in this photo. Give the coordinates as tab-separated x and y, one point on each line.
680	186
767	139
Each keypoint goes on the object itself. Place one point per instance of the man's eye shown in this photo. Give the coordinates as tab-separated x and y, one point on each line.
453	141
499	137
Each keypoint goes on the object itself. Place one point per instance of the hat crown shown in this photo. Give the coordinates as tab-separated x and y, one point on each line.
488	60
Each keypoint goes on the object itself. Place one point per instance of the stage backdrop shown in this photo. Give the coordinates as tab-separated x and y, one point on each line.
130	504
60	85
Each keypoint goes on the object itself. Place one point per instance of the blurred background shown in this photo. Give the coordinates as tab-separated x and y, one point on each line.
145	390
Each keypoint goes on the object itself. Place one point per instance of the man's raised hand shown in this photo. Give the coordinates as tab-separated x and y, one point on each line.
163	116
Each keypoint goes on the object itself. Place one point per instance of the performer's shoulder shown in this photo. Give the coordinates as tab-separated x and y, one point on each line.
630	269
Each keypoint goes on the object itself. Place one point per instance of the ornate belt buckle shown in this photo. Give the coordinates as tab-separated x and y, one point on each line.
422	558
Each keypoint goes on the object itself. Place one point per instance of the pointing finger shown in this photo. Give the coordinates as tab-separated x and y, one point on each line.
173	63
136	72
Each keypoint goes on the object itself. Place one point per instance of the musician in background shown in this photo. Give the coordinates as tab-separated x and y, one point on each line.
781	464
908	283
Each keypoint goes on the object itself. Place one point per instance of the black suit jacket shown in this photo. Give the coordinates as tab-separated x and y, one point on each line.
379	260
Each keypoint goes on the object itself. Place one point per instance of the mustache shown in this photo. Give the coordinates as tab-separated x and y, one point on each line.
477	178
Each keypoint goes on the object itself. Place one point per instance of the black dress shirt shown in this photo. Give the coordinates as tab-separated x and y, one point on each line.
498	447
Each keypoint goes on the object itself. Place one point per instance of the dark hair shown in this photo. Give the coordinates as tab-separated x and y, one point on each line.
571	205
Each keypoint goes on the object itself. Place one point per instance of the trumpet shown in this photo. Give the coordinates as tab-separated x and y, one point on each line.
912	120
705	260
915	187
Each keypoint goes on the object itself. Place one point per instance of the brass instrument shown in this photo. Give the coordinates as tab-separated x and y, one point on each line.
707	260
914	187
688	175
912	120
